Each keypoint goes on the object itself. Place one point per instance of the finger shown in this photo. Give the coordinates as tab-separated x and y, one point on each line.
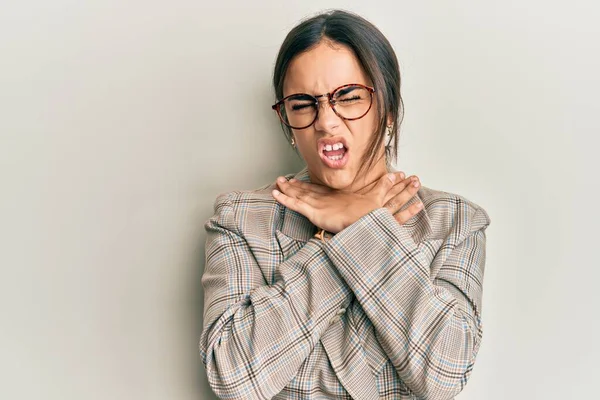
409	188
379	183
407	214
293	203
296	192
308	186
399	187
399	176
386	182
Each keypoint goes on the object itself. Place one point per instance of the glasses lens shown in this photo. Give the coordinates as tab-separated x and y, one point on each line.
299	111
352	101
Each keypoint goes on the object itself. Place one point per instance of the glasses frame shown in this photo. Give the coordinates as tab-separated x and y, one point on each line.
332	102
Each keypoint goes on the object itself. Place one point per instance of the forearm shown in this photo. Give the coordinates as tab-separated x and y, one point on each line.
256	336
430	333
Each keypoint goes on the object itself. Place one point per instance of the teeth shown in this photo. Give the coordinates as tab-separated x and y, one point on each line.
335	158
336	146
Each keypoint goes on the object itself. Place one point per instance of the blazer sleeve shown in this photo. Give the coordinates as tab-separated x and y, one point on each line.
255	336
430	328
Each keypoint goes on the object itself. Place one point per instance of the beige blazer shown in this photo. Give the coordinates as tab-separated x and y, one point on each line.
380	311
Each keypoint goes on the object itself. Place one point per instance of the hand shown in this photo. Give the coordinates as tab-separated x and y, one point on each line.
334	210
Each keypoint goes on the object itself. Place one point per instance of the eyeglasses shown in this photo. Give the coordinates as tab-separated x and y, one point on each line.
349	102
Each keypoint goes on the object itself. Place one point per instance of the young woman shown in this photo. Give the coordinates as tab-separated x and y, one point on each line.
347	279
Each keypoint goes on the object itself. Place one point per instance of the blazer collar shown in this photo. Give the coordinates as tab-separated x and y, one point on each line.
297	227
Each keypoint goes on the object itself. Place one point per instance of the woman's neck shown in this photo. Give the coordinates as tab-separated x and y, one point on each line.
364	182
370	178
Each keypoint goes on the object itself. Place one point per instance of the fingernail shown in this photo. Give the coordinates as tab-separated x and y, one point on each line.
392	177
293	180
401	175
419	205
281	179
276	192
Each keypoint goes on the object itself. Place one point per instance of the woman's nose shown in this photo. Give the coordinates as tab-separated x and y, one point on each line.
327	119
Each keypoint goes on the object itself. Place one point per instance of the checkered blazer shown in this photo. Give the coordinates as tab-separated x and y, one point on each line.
380	311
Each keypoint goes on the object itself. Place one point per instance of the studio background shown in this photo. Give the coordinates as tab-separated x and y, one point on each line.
120	123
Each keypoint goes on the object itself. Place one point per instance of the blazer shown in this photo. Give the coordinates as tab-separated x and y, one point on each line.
379	311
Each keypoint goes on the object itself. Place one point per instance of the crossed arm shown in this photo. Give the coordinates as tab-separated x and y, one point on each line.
256	335
429	326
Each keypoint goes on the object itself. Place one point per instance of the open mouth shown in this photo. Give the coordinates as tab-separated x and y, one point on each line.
334	155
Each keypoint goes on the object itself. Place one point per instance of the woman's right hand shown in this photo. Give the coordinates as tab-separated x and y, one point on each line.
334	210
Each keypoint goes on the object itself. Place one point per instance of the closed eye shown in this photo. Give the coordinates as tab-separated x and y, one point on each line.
346	100
297	107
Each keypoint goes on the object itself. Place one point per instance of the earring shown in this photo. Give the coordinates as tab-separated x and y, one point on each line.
389	129
293	143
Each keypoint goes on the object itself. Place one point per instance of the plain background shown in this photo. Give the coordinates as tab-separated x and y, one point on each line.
120	123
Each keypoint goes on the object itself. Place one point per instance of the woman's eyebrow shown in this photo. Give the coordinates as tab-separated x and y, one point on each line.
300	96
344	91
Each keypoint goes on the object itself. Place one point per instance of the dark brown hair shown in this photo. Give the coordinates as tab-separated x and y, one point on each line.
376	56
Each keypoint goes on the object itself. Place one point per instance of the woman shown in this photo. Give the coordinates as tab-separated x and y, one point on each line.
347	279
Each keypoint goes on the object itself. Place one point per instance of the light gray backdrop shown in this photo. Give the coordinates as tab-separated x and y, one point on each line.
121	121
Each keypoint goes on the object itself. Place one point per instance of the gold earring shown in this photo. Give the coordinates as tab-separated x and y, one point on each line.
389	129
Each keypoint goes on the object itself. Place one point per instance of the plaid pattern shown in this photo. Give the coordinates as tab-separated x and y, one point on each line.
380	311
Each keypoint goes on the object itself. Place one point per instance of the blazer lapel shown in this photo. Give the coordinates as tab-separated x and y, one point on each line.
295	229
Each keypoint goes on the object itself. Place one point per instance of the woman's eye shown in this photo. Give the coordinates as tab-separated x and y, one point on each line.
298	107
348	99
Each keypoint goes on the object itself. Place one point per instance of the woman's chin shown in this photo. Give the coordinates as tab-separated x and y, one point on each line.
338	179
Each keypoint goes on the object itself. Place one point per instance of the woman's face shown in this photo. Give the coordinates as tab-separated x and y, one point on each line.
321	70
